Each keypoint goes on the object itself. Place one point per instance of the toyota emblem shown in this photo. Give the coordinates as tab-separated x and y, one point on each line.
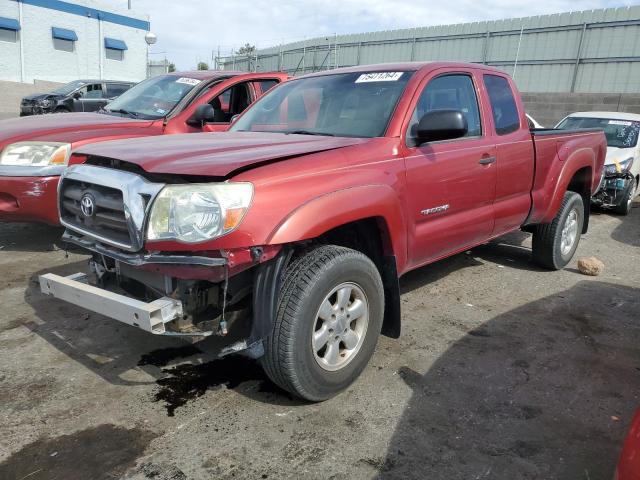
87	205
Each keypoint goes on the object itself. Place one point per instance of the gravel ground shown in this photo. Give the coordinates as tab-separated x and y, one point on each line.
503	371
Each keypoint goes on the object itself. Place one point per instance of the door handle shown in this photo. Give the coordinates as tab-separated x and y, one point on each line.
487	160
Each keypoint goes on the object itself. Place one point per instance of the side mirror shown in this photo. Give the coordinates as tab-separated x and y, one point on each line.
441	125
77	95
203	114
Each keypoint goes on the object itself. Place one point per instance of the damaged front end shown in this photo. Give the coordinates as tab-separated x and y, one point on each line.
178	295
191	294
614	187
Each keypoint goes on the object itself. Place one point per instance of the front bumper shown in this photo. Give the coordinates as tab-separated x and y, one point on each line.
29	199
150	317
613	190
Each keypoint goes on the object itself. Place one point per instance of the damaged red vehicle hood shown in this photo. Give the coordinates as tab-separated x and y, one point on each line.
215	155
38	127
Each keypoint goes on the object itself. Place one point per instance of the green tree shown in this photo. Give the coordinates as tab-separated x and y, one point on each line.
247	49
172	67
203	66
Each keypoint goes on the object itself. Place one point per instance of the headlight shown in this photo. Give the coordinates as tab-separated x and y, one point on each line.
36	154
45	103
198	212
618	167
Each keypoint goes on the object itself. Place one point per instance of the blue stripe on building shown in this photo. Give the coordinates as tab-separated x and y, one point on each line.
89	12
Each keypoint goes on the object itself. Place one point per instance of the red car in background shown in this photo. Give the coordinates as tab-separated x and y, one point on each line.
629	464
34	151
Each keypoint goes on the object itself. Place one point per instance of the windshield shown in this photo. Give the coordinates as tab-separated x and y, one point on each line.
619	133
69	87
346	105
153	98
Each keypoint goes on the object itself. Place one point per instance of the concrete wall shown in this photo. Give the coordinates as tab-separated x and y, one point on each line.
12	93
549	108
582	51
87	61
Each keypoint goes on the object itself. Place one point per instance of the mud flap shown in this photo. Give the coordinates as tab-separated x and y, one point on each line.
266	290
391	324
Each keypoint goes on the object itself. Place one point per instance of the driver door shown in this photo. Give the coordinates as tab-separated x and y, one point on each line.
92	99
233	101
450	184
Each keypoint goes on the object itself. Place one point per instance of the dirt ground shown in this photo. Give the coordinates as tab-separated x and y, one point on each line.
503	371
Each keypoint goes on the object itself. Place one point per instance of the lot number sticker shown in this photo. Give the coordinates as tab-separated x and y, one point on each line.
188	81
620	122
379	77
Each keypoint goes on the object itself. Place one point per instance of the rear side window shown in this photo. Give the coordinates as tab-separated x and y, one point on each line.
503	104
267	84
116	89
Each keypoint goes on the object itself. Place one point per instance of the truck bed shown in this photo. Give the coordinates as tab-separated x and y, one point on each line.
555	150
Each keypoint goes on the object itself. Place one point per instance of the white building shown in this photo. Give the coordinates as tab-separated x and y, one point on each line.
62	41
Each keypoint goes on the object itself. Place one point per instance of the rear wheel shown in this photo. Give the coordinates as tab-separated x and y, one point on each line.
327	324
624	207
555	243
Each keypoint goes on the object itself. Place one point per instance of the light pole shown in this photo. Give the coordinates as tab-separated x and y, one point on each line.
150	38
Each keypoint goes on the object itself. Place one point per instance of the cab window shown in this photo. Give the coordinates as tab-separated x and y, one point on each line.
233	101
266	85
449	92
116	89
503	104
92	91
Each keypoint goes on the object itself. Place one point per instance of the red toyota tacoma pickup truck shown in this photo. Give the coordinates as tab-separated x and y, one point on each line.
297	223
34	151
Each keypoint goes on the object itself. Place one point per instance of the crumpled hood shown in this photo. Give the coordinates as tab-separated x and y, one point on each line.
30	128
619	154
213	154
41	96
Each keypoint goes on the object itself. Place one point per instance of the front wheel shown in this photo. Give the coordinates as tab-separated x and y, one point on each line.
555	243
327	323
624	207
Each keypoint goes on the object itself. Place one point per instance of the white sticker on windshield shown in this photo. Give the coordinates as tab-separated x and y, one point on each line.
188	81
379	77
620	122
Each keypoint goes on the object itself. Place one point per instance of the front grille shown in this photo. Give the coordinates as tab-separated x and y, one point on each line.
107	218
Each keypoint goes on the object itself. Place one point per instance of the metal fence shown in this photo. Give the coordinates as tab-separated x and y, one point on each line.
589	51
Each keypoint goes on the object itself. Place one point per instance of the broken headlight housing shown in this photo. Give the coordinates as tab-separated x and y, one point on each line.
618	167
198	212
35	154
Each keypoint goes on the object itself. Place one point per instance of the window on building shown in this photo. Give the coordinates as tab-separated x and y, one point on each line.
505	112
114	49
63	45
113	54
63	39
9	29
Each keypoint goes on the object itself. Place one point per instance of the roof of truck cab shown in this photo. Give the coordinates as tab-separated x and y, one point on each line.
208	74
403	67
634	117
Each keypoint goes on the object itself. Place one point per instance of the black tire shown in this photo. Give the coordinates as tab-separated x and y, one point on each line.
289	358
547	238
62	110
624	207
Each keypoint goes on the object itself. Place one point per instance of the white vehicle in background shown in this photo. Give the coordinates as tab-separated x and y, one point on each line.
621	174
532	122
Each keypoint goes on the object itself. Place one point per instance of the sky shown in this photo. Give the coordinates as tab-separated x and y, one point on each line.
190	31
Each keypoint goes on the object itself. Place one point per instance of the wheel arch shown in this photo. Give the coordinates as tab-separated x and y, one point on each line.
368	219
